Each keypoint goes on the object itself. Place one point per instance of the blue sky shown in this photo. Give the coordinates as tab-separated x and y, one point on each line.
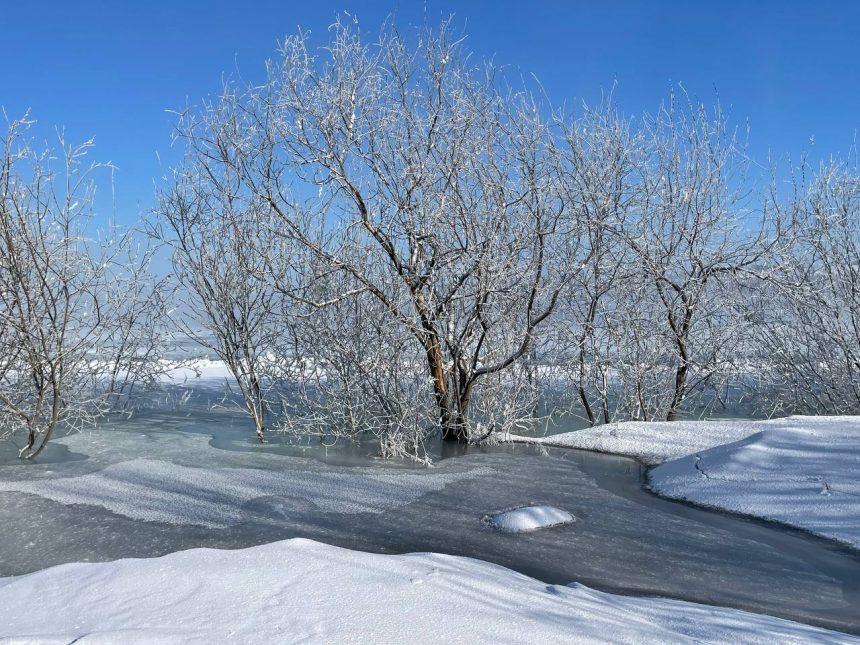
112	69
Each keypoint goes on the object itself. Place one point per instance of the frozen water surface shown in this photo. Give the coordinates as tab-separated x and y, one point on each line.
168	482
159	491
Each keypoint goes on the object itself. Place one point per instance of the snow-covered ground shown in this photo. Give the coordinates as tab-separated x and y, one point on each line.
159	479
304	591
651	443
802	471
200	372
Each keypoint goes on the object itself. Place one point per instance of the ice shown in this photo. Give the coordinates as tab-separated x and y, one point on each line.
303	591
528	518
158	491
197	468
200	373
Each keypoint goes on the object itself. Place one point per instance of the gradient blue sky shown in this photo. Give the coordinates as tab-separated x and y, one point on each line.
112	69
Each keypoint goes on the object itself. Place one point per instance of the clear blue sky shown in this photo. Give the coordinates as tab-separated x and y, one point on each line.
110	69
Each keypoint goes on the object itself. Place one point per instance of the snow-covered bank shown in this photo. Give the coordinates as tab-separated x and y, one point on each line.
299	590
200	372
802	471
651	443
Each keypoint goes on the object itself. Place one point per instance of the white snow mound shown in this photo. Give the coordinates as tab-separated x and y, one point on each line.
528	518
302	591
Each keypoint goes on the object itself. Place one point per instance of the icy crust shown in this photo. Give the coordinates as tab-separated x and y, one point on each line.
527	518
802	471
159	491
303	591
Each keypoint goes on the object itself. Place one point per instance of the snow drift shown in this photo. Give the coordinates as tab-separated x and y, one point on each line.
303	591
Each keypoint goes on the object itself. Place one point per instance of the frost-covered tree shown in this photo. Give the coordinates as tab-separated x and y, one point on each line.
136	335
227	300
59	367
809	328
599	157
437	187
698	234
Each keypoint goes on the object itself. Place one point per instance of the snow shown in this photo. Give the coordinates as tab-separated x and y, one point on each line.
527	518
304	591
158	491
200	372
802	471
650	442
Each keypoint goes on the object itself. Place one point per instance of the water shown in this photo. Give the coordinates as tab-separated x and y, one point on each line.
623	540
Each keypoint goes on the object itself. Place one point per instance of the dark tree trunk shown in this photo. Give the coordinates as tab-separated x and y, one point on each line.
678	397
680	382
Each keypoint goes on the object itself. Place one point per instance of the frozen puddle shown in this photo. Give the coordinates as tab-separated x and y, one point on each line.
527	518
159	491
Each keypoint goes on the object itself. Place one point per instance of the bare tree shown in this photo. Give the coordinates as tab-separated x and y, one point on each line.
437	186
598	170
55	309
809	329
136	333
220	257
698	233
361	376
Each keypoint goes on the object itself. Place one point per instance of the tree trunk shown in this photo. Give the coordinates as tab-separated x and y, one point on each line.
605	396
259	413
454	427
583	395
452	420
27	452
680	387
681	338
587	332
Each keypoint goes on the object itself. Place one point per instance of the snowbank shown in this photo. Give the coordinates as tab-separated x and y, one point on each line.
803	471
527	518
200	372
299	590
653	442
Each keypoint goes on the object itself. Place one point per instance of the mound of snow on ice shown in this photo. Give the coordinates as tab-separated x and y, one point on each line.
653	442
303	591
527	518
160	491
803	471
